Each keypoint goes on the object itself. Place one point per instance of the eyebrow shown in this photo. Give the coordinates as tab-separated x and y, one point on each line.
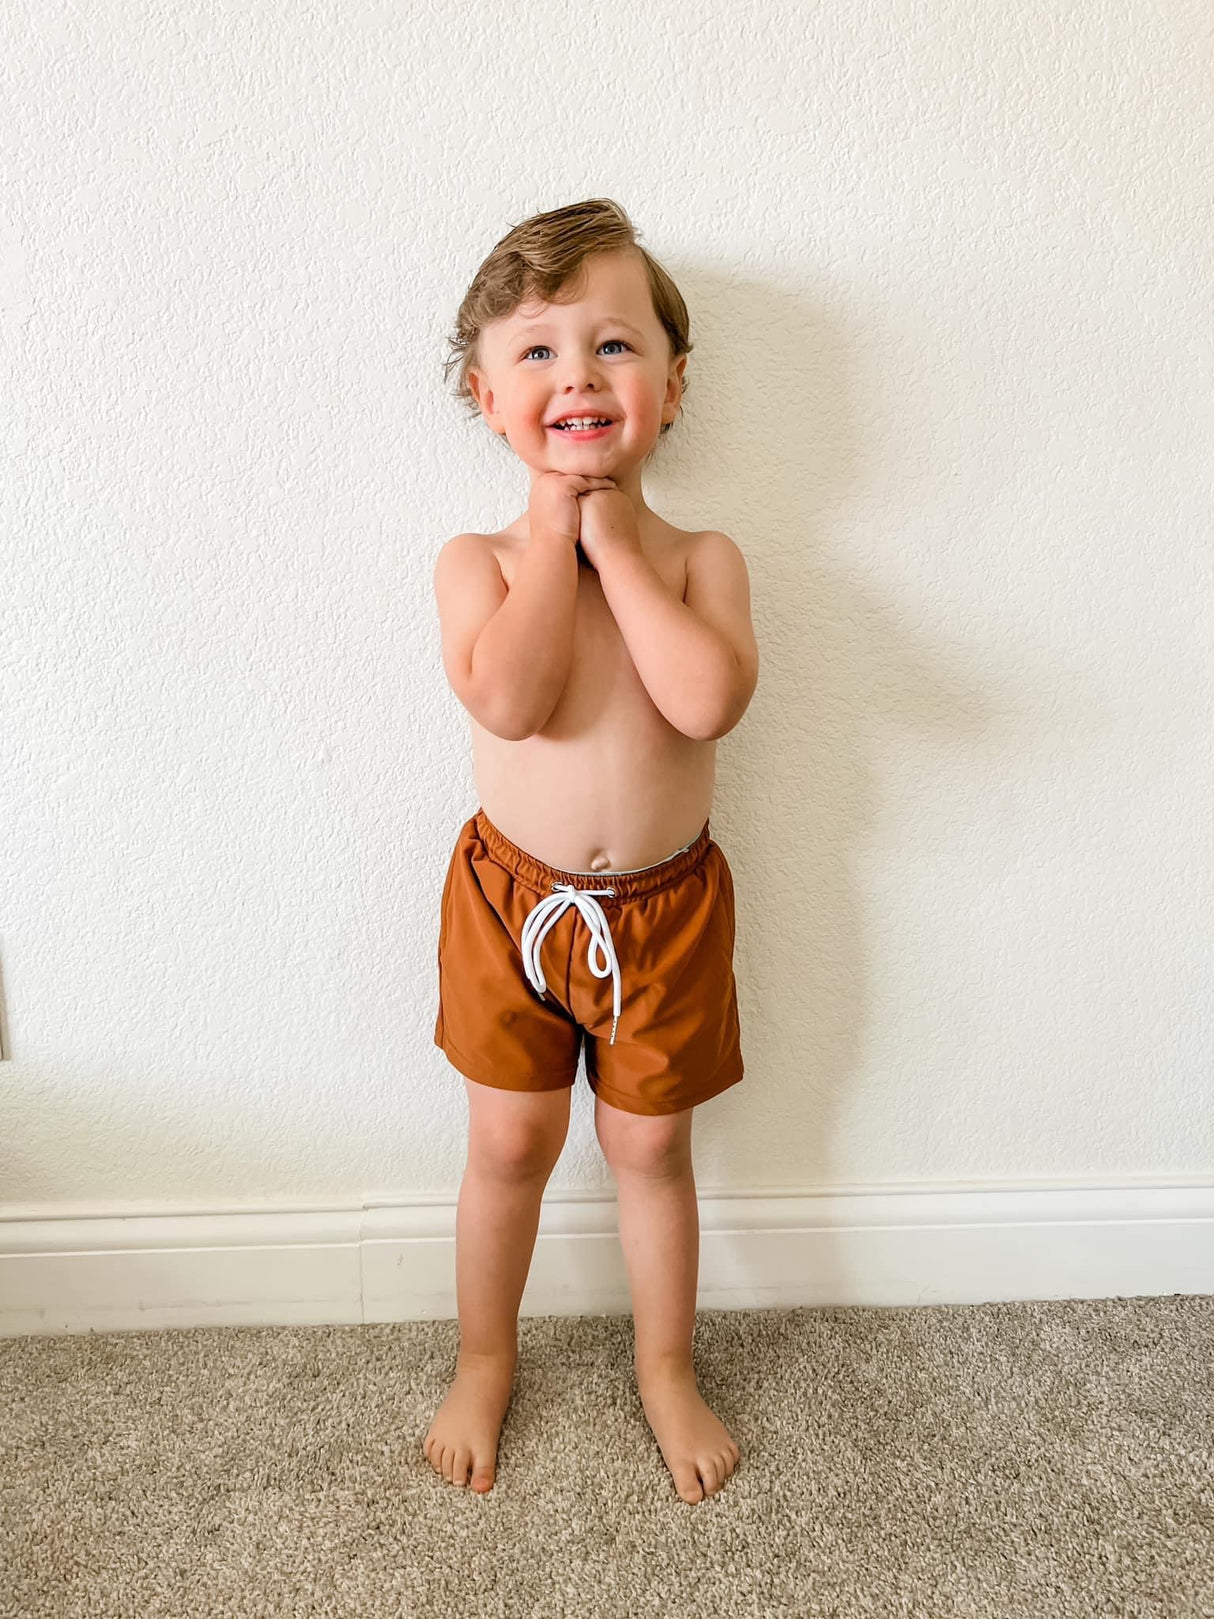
608	320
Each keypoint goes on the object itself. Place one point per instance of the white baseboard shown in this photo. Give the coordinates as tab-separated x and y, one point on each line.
394	1260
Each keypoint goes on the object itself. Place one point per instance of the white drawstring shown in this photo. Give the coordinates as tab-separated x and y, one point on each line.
546	913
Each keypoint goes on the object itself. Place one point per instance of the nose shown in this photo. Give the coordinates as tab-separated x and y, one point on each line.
582	373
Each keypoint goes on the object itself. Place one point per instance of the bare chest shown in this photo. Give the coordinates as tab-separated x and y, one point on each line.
604	691
607	783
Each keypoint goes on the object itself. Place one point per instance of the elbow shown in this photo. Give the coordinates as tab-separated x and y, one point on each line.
713	726
712	732
509	726
503	705
718	721
704	730
505	732
517	727
504	719
517	730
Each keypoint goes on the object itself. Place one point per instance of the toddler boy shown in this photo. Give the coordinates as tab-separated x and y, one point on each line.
600	653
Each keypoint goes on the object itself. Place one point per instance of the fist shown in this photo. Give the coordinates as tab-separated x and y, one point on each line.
609	523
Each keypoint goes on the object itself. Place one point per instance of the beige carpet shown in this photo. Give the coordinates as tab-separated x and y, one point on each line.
963	1460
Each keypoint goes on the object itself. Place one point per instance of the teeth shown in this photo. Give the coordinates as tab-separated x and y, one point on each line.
579	422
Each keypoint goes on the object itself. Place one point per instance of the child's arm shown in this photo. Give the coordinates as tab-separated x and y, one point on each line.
697	658
507	652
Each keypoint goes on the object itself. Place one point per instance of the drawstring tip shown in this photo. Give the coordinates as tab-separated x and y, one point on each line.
614	1021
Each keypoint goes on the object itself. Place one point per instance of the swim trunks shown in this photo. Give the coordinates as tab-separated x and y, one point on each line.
533	960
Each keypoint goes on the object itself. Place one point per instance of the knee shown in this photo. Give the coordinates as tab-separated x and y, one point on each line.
518	1151
659	1148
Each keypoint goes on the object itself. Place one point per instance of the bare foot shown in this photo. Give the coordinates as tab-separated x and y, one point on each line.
695	1444
465	1428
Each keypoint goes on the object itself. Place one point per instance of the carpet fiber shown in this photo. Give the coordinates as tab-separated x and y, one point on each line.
998	1460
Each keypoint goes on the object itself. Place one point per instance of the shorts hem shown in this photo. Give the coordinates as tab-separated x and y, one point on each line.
549	1080
729	1073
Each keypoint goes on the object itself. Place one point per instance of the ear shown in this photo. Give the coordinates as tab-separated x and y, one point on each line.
480	391
674	386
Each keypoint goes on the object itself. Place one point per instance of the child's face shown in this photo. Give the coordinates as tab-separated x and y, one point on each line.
605	355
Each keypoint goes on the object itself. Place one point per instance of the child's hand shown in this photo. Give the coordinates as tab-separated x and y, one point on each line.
554	510
609	523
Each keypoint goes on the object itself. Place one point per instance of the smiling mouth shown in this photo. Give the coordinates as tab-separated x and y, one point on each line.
582	432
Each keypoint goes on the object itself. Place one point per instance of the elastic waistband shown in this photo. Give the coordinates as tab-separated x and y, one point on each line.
540	876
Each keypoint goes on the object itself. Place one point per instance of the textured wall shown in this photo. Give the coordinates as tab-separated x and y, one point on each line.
949	267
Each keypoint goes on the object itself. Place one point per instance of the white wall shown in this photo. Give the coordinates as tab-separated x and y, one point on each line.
949	268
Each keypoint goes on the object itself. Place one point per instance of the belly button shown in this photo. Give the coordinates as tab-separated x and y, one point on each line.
601	862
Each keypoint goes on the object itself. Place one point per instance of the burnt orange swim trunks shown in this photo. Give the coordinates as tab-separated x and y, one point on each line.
532	959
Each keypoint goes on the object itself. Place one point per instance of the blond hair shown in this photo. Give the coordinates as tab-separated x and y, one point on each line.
544	256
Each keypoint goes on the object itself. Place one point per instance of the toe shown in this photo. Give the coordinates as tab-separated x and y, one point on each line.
463	1459
688	1485
482	1476
707	1466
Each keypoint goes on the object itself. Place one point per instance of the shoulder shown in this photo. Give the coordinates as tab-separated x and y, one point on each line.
711	542
716	561
696	550
464	554
468	581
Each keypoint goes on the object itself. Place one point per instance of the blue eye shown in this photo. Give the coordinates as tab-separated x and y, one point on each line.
527	354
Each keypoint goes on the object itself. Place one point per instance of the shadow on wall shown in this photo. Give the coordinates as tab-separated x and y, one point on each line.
871	721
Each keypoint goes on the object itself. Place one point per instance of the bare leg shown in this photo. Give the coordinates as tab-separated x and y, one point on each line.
515	1139
659	1222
